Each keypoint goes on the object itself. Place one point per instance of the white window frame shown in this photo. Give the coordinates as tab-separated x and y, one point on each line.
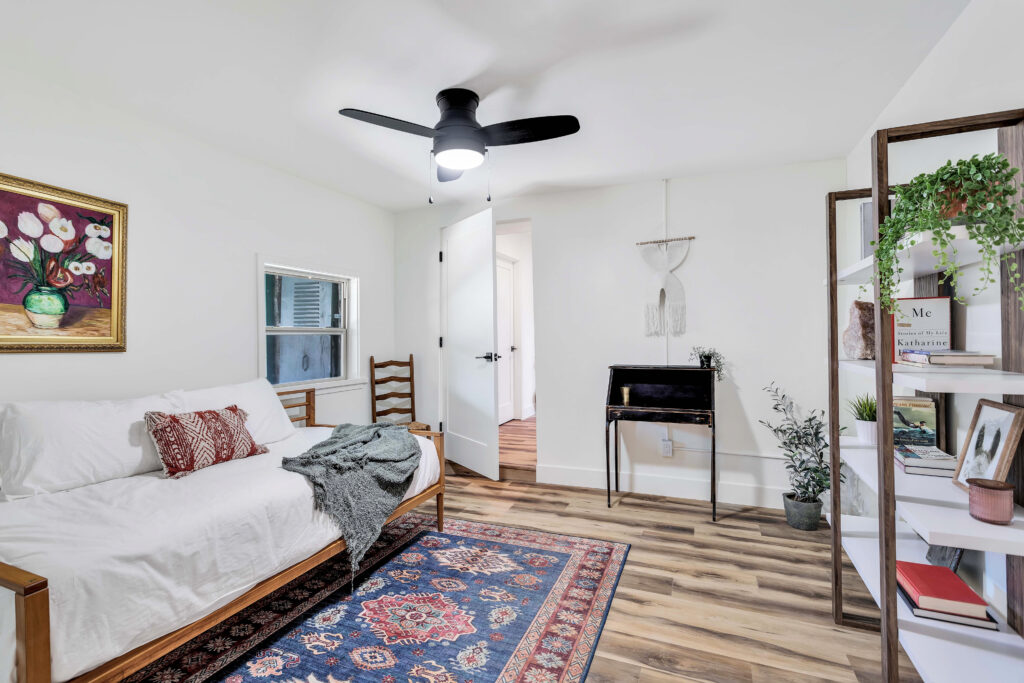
352	369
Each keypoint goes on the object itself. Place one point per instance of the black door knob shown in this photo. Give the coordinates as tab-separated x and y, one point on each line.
489	357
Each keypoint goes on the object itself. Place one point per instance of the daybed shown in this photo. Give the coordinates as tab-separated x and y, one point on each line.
136	565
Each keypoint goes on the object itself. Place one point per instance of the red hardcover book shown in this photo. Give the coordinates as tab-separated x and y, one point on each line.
939	589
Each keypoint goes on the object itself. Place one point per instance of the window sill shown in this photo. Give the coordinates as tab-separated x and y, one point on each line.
326	386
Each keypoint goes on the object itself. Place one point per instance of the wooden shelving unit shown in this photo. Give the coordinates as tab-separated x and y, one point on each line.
914	510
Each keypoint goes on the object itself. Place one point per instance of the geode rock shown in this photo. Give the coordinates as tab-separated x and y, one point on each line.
859	337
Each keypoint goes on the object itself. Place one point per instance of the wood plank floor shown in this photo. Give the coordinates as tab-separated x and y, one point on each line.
517	443
744	600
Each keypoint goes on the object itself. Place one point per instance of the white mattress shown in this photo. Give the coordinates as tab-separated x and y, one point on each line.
132	559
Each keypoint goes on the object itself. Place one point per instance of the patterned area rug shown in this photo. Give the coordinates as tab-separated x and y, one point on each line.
474	604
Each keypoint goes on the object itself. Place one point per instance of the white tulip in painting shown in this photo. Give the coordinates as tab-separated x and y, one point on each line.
23	250
29	224
51	243
48	212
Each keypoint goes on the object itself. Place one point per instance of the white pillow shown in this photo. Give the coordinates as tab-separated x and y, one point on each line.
48	446
268	420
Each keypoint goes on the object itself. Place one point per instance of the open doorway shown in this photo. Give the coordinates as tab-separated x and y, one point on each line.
516	386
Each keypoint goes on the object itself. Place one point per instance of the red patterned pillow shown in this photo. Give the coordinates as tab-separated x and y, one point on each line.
191	441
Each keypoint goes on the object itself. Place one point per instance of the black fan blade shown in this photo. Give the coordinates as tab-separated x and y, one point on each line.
529	130
388	122
446	174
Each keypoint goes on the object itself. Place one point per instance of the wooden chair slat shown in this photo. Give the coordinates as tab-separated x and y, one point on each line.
393	363
394	394
390	411
385	380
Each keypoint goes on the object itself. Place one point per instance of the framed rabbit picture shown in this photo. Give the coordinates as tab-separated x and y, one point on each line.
991	442
62	269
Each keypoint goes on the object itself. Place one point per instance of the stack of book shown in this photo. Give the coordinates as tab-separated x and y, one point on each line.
938	593
922	359
927	460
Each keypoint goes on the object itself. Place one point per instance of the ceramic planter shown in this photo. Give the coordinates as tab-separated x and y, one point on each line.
803	516
867	432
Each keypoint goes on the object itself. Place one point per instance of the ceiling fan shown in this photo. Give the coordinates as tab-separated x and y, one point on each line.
459	141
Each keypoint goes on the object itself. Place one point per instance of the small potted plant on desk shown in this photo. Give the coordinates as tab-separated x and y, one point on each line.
803	442
865	414
709	358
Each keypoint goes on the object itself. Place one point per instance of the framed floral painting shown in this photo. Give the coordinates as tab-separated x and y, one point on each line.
62	269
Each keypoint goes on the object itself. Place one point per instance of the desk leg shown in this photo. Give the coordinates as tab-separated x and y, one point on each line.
616	456
714	479
607	463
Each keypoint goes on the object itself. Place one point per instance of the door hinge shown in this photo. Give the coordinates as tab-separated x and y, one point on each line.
440	342
440	426
440	256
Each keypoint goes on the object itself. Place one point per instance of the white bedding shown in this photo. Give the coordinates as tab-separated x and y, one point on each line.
129	560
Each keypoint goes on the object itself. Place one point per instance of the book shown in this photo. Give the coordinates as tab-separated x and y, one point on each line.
925	471
921	323
914	422
925	456
988	622
936	588
926	357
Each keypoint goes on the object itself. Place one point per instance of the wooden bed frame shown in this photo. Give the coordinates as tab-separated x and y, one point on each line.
32	596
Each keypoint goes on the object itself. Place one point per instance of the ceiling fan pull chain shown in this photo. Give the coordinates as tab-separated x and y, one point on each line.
430	178
487	160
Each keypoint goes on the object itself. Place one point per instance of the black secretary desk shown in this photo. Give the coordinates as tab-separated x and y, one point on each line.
659	393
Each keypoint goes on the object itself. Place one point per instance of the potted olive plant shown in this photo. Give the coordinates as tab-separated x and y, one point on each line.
802	440
865	414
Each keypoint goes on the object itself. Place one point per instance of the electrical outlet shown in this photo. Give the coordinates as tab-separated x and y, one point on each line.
666	448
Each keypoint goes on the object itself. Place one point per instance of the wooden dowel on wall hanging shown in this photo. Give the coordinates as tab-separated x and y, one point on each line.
666	240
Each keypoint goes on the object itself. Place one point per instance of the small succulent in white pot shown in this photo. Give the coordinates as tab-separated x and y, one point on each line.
864	409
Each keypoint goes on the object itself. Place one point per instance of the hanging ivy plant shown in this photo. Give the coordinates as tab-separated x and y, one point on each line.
980	190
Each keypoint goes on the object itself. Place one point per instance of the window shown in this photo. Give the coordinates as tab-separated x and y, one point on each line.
306	325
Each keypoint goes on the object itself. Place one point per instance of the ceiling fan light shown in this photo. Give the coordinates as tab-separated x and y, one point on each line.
459	159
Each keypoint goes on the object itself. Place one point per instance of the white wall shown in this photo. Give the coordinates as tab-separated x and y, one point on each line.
516	241
957	80
197	217
754	291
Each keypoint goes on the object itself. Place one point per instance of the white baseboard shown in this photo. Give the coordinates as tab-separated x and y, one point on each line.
694	488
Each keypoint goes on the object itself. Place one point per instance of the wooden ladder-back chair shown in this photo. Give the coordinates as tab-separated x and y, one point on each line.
391	378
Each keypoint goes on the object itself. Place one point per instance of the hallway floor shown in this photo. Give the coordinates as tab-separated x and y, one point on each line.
517	445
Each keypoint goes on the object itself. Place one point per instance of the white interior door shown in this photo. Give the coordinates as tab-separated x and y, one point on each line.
468	321
505	279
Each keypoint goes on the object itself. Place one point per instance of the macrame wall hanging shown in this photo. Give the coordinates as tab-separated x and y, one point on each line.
665	310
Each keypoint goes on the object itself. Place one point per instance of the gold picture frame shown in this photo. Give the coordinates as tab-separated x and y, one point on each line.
62	269
989	456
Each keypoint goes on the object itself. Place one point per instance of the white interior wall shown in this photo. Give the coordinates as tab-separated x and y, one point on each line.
744	296
197	217
949	83
515	240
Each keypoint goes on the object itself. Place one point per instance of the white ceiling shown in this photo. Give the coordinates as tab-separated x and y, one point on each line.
661	87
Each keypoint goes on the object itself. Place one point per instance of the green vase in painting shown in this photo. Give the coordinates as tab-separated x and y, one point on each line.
45	307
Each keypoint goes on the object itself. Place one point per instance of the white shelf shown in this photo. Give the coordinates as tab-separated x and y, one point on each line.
935	508
941	652
916	260
945	380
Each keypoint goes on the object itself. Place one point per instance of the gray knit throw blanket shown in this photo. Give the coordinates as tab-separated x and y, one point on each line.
359	476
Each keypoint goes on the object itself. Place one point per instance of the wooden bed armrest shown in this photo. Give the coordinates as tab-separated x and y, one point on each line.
20	581
31	622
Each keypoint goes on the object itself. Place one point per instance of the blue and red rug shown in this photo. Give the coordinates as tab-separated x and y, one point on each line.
475	604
